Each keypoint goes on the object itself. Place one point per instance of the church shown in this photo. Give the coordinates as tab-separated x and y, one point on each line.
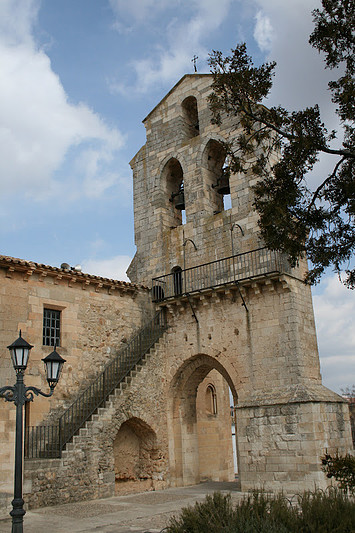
213	329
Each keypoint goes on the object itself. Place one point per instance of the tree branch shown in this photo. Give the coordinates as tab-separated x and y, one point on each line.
325	182
290	137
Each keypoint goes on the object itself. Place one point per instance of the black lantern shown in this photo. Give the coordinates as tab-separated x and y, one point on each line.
53	364
20	351
20	394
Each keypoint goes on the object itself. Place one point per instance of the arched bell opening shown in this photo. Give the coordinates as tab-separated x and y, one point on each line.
173	179
137	458
202	448
216	174
190	117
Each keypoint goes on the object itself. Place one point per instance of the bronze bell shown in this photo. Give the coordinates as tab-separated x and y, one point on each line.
179	200
223	185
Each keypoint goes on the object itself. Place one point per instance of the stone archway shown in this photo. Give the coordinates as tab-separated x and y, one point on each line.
201	447
137	458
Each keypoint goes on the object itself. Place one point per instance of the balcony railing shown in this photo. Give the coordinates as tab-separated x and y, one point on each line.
248	265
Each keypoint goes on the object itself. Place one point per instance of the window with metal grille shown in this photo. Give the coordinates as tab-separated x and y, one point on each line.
51	327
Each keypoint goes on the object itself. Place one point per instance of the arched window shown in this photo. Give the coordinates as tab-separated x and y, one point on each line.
190	116
211	400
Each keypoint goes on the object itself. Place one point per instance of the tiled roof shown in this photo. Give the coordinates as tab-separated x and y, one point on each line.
29	267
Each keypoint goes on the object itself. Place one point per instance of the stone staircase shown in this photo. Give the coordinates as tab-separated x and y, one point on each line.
85	469
48	441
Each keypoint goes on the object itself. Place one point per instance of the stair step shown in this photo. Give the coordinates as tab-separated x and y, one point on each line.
83	420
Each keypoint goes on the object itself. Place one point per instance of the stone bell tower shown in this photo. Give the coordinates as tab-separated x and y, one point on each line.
234	306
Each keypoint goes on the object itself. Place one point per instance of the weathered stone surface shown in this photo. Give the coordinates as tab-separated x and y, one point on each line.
266	350
97	318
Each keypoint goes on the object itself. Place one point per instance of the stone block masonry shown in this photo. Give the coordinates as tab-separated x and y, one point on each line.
266	350
97	317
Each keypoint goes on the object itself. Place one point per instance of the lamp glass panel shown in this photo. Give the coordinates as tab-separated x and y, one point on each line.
53	371
25	354
13	357
19	356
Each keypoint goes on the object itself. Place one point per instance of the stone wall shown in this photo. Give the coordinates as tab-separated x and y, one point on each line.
286	419
98	317
134	419
214	431
282	430
281	446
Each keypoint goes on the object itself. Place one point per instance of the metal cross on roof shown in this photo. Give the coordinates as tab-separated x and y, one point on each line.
194	62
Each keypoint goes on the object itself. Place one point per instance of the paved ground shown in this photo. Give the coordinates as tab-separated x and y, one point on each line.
144	512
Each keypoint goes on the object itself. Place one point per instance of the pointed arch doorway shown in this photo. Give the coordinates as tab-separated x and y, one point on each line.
200	423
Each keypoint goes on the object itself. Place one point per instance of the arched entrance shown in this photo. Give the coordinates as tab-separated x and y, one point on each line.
177	280
200	420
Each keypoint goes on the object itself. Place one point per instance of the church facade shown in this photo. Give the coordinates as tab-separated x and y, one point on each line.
212	319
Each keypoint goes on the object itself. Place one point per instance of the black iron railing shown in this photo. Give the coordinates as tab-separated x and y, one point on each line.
48	441
232	269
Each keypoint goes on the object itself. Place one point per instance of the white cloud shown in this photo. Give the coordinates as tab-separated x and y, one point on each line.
334	307
301	79
113	268
183	38
16	20
39	127
263	32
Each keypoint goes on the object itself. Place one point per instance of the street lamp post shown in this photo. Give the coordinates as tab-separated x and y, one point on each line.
20	394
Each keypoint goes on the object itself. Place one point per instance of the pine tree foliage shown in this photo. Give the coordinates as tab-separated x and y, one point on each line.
318	223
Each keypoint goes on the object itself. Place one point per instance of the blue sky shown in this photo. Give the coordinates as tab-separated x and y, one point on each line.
77	78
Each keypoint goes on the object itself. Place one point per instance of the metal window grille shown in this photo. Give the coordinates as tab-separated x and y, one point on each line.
51	327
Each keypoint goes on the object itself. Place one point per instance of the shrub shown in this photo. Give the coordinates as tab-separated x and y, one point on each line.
342	469
328	511
215	514
315	512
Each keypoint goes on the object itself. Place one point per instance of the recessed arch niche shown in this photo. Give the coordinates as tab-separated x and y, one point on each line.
137	458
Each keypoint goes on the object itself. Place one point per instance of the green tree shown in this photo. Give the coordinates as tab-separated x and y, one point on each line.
295	219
